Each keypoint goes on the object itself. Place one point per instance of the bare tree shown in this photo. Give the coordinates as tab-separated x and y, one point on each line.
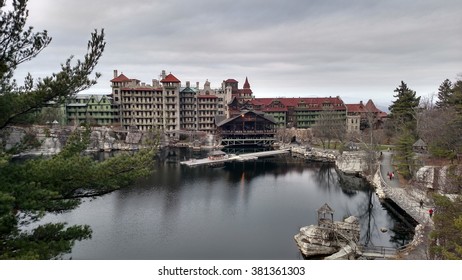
440	129
369	139
283	135
330	125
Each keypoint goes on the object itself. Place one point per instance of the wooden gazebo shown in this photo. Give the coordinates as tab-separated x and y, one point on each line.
325	215
420	146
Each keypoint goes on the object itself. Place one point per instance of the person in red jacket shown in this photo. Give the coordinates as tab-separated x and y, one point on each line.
430	212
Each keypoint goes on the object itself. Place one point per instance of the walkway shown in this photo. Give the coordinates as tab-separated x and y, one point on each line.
408	199
378	252
405	197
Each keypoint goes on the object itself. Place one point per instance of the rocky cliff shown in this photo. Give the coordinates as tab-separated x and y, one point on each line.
352	162
49	140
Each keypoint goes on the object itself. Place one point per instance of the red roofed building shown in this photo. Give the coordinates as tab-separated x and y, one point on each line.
119	79
145	106
355	113
166	106
230	86
360	117
170	79
293	112
246	93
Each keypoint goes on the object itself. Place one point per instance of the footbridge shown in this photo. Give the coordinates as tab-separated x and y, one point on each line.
378	252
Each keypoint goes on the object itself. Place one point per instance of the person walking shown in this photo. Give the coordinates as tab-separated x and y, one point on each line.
430	212
421	203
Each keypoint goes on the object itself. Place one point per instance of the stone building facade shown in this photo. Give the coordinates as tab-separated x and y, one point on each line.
166	105
362	116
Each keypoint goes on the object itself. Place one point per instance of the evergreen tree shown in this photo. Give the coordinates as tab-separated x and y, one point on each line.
454	104
447	233
450	95
403	110
444	94
456	97
34	187
404	155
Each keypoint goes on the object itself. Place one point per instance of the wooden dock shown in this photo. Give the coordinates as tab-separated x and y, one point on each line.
229	158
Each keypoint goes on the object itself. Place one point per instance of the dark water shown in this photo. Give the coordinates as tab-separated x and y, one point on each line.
247	210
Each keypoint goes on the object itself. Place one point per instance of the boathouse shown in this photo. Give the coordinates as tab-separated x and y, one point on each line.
247	128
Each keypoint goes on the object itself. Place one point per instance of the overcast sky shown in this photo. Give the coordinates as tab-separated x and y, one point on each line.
293	48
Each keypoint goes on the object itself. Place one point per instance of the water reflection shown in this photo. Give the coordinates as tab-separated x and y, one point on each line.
246	210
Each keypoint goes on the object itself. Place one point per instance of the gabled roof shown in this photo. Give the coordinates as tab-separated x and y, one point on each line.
268	118
325	209
170	79
245	91
370	106
419	143
234	99
120	78
314	103
187	90
96	97
355	108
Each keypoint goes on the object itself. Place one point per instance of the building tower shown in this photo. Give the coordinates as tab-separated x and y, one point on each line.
171	104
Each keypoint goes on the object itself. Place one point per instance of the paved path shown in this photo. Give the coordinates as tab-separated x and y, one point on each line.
406	197
386	167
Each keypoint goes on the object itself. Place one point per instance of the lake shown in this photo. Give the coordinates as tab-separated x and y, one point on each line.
244	210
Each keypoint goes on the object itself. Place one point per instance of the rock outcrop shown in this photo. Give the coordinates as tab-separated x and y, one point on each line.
50	140
329	238
352	162
314	154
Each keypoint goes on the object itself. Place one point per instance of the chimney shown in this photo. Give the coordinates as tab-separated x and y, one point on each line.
155	83
187	84
163	74
115	74
197	85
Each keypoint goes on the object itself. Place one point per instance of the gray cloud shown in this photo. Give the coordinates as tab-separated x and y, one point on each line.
355	49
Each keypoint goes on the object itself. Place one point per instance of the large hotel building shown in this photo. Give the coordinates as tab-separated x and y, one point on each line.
167	105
